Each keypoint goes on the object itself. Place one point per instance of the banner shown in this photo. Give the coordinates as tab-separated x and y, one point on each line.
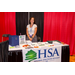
45	54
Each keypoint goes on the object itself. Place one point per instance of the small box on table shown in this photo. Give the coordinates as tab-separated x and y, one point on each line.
13	40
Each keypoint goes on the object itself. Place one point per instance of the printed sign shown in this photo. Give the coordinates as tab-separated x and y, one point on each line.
46	54
22	39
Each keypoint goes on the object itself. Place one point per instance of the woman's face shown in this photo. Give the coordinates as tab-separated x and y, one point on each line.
32	20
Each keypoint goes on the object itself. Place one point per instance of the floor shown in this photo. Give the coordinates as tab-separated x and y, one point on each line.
72	58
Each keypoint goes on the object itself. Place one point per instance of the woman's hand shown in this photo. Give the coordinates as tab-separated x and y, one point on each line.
34	32
30	39
28	35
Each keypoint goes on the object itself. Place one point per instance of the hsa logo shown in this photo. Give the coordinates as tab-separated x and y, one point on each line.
51	54
32	55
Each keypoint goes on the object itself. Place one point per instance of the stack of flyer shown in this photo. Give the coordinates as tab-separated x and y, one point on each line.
22	39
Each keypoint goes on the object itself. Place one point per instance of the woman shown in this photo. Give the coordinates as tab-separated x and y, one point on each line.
31	30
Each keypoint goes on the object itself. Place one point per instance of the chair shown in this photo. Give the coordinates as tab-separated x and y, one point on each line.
38	39
4	51
0	52
5	35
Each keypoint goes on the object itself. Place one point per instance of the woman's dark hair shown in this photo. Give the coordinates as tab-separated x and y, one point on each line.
30	19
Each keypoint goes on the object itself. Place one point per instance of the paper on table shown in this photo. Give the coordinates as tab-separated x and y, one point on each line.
12	47
28	42
56	43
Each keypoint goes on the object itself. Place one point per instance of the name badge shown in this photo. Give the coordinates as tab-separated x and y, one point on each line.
30	35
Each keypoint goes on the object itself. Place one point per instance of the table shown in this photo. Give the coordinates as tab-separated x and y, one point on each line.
15	54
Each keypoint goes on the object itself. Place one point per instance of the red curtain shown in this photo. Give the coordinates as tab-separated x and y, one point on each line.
2	27
60	26
10	23
7	24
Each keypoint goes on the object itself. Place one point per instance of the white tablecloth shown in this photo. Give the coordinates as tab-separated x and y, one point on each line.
41	54
20	46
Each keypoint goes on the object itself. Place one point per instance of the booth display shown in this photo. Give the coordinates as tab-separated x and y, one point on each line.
39	52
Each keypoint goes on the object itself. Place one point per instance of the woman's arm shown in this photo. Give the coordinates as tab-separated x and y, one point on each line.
34	32
27	33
